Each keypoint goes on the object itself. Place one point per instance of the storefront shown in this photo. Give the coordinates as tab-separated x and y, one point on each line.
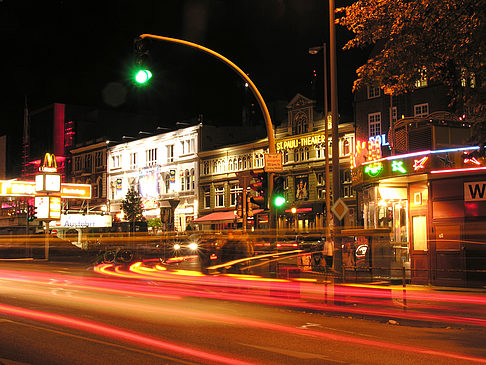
433	203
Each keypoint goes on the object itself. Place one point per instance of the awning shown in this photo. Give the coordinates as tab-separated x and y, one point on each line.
219	217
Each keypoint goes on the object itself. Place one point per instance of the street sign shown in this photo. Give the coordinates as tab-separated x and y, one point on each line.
340	209
273	162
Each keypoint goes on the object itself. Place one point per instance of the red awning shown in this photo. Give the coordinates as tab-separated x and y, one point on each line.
228	216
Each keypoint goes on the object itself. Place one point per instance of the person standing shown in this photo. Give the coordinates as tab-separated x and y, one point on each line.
328	252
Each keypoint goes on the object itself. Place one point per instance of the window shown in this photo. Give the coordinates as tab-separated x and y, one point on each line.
297	154
301	123
205	168
235	190
374	124
207	197
230	165
304	153
192	179
285	156
188	180
219	196
183	180
422	79
87	163
421	110
347	191
99	159
133	160
115	161
244	163
346	147
78	165
373	92
151	157
321	193
170	153
167	183
320	178
99	184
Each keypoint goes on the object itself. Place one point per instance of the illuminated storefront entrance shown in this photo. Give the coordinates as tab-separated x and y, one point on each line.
433	205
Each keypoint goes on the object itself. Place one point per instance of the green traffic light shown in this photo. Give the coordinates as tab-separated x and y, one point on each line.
279	201
143	76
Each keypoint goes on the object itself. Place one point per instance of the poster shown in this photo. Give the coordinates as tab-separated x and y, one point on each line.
302	187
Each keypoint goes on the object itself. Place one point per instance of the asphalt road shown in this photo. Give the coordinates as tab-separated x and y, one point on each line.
67	314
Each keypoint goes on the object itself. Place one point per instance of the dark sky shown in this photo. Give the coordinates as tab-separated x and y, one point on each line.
81	52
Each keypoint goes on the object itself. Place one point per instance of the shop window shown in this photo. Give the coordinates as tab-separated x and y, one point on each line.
219	196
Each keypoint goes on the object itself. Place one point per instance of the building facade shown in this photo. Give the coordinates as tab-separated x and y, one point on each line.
163	168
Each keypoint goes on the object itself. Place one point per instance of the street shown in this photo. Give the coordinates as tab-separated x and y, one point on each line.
53	313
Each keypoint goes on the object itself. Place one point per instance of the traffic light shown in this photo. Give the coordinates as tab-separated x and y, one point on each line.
278	198
141	74
261	187
32	213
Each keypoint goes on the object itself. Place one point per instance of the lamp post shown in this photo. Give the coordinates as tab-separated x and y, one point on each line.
334	107
315	50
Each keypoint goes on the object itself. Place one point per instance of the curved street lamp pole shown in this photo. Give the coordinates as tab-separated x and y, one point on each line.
258	96
254	90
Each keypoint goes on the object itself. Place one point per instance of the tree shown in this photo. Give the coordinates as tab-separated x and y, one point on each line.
444	38
132	206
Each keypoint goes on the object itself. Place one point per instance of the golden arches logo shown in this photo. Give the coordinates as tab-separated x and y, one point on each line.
50	164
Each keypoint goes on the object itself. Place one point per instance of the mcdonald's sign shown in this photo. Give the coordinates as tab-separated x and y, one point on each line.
49	164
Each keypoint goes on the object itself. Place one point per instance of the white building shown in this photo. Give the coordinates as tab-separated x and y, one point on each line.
163	168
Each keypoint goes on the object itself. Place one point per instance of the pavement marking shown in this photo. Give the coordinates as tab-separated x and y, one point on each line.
297	354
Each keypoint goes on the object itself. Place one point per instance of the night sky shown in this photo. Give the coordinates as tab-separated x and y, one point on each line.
81	52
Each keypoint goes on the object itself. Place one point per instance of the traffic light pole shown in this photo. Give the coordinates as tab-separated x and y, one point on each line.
253	88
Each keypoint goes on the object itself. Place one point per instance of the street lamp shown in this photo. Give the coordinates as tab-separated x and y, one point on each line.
315	50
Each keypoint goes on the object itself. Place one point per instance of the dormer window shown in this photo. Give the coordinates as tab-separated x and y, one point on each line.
301	123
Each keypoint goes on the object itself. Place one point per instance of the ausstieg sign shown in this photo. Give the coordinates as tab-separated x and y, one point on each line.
474	191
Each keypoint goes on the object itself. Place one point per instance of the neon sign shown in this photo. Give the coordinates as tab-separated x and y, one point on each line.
397	166
374	169
472	160
420	164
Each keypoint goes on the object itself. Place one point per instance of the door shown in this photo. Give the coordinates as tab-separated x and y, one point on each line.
447	255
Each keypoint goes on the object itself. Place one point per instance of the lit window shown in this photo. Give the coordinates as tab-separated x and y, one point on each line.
422	79
151	157
219	196
170	153
235	190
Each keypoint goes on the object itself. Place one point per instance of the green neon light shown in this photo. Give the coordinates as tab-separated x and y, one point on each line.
398	166
374	169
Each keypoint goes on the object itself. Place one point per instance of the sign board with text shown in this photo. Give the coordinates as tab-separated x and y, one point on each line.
273	162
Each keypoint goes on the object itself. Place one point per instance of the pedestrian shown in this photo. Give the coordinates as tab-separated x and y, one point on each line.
328	252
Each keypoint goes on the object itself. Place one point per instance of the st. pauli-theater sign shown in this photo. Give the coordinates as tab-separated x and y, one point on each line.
430	162
304	140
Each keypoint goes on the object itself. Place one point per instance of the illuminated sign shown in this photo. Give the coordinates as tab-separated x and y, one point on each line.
380	139
302	141
374	169
366	152
50	164
472	160
27	188
88	220
48	207
420	164
397	166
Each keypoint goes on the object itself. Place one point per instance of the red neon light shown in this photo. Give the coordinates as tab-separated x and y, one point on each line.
473	160
458	170
419	164
299	210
